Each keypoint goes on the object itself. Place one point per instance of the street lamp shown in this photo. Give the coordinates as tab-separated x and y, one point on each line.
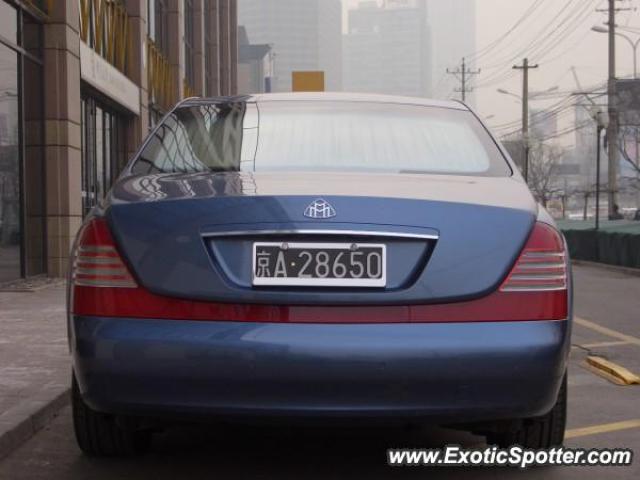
602	122
634	45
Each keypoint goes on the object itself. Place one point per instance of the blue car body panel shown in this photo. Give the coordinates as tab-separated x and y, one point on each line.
443	372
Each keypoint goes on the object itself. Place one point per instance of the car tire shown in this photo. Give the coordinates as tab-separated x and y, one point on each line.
99	435
538	433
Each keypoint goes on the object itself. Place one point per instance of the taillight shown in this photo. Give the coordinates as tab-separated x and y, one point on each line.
97	262
542	265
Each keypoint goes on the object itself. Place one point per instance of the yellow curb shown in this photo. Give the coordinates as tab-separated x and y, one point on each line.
604	428
613	369
603	374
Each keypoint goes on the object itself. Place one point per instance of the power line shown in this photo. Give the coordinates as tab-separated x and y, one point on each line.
545	41
525	16
559	108
539	36
556	39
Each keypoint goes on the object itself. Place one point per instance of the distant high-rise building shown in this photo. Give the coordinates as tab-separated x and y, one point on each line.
453	24
387	48
305	35
543	124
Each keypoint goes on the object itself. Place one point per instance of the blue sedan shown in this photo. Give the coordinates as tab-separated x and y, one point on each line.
319	256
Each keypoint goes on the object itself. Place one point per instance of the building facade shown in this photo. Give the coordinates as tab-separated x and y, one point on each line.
255	65
81	84
387	48
543	124
305	35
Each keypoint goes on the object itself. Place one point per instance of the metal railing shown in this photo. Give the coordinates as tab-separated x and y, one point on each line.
104	26
187	89
162	88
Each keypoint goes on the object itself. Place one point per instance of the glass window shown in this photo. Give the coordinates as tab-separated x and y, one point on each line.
22	187
109	157
323	136
99	149
209	34
103	150
33	174
159	24
10	231
196	140
189	42
9	22
32	36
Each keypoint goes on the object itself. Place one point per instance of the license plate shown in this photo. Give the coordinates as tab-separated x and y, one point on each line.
319	264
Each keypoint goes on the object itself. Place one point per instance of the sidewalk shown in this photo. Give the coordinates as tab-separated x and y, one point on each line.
34	362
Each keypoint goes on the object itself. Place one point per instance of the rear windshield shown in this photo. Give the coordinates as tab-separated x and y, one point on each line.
321	136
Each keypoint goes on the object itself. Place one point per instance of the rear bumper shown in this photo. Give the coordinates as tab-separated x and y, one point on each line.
445	372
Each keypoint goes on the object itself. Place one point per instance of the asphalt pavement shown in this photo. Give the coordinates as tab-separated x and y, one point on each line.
601	414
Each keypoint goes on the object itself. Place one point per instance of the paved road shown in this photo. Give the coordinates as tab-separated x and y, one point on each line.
603	298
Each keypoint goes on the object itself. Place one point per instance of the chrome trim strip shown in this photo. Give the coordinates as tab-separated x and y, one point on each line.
359	233
96	249
104	283
543	255
536	277
540	266
98	260
534	289
109	272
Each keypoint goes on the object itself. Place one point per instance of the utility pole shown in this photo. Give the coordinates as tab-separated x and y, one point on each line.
461	73
612	132
525	67
612	129
599	130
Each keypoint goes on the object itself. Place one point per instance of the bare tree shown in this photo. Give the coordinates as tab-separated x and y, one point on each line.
585	192
543	166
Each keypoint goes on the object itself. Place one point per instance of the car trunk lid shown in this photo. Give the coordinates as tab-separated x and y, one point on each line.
449	238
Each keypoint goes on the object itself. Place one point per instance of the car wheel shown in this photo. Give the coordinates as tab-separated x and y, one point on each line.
98	434
540	432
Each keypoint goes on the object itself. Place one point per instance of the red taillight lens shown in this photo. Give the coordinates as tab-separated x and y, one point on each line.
542	266
96	262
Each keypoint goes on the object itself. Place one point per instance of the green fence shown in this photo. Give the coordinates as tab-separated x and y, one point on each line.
615	243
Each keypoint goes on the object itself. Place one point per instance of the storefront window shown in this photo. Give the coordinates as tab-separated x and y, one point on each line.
33	165
9	166
103	150
22	189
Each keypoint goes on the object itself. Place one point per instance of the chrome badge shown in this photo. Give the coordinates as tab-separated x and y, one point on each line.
320	208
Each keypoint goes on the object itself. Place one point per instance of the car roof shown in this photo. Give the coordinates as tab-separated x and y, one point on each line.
328	97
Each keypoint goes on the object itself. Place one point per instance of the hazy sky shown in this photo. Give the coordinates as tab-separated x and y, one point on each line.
577	46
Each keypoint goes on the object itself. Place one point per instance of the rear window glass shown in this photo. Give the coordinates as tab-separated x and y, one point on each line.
321	136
